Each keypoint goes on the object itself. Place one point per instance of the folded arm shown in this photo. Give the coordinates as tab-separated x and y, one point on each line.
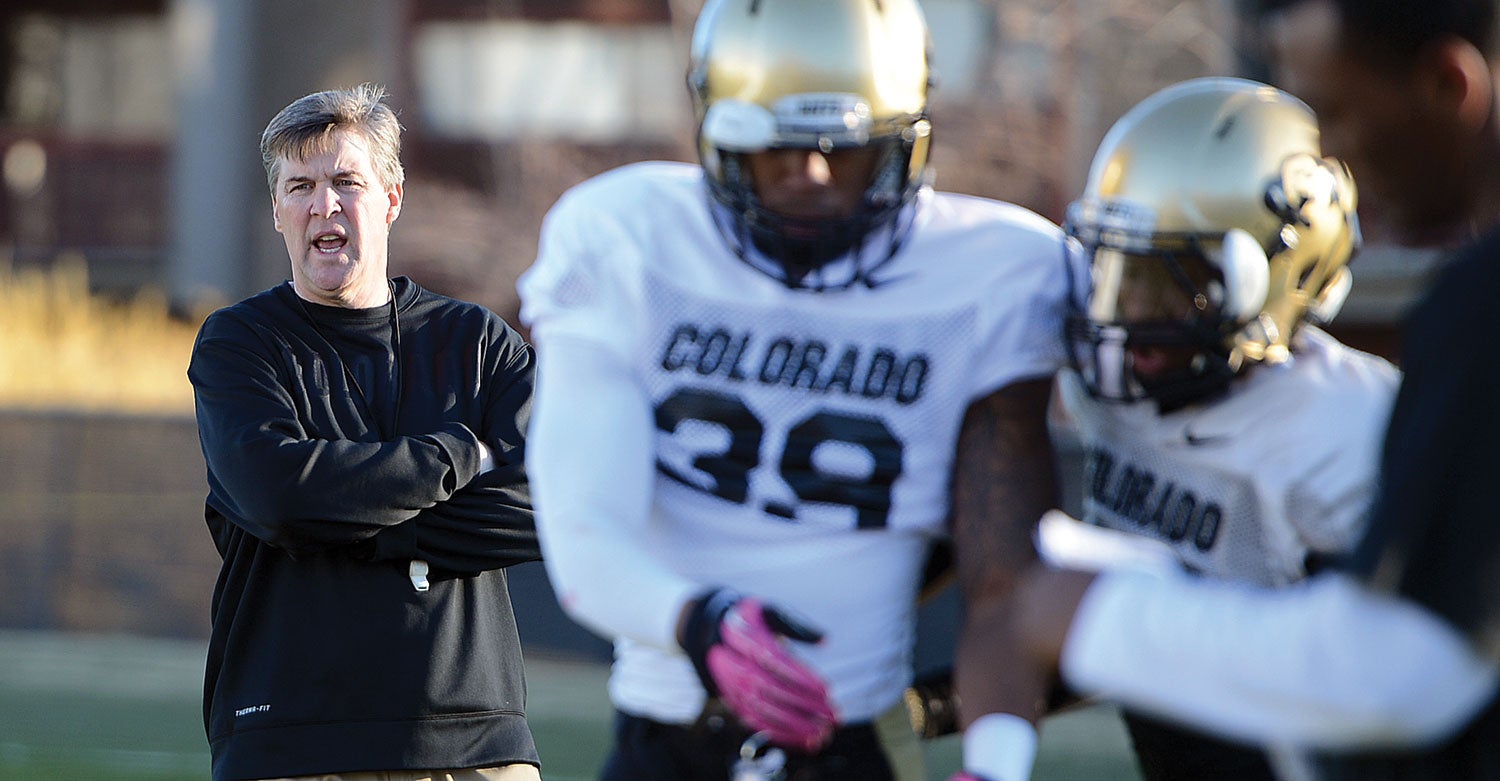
488	523
298	491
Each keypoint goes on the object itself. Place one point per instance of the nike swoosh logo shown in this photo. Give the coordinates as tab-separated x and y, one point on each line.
1194	440
873	283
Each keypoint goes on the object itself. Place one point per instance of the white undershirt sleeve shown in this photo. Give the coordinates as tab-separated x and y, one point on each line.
590	458
1325	665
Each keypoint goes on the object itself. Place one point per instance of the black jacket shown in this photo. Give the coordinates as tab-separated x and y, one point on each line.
324	657
1434	537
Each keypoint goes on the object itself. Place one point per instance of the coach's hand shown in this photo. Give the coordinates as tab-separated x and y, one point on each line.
736	644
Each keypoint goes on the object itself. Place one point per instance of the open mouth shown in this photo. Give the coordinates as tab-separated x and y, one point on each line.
1148	362
329	243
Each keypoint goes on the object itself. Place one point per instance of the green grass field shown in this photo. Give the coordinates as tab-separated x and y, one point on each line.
76	707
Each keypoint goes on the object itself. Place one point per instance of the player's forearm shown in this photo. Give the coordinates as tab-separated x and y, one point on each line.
1003	481
993	673
589	454
1330	665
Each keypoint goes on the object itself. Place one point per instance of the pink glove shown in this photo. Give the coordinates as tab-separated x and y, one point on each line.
738	648
962	776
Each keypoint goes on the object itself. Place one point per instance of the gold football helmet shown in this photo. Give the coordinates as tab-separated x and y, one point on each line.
825	75
1214	227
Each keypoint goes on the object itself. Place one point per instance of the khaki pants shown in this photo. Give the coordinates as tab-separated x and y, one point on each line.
516	772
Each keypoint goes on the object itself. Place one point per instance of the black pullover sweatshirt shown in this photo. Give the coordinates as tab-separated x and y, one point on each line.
341	446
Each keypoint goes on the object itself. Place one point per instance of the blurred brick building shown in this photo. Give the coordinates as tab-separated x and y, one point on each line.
128	127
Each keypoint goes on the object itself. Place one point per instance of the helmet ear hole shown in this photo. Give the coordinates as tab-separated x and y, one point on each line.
738	126
1247	275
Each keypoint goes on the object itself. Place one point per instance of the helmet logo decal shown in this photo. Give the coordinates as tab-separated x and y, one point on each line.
825	121
1304	179
1115	221
824	112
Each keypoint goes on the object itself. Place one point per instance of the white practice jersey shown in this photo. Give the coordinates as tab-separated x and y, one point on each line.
804	439
1246	487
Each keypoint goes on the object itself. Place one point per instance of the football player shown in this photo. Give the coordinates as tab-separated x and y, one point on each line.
1215	418
1213	414
768	383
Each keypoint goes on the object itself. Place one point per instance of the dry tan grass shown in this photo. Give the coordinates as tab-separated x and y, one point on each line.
63	348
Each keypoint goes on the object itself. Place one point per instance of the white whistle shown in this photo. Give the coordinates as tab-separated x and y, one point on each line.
758	761
418	574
